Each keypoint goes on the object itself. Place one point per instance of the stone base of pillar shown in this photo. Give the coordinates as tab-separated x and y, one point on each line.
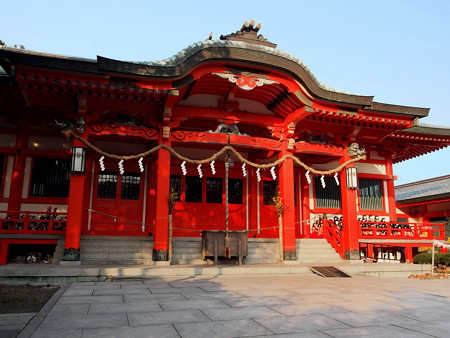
160	255
352	254
71	254
289	255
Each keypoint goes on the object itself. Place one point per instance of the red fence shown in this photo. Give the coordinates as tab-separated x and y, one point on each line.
32	222
406	231
333	232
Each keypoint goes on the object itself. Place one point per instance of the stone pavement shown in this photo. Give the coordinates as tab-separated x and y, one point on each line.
247	306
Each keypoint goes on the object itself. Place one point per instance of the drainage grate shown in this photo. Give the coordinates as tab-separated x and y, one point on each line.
328	271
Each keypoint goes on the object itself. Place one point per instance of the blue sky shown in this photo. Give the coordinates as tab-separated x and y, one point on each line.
397	51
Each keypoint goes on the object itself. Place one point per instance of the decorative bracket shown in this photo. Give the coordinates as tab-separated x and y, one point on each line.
245	82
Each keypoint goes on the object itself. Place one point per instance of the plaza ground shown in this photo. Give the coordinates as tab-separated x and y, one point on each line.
246	306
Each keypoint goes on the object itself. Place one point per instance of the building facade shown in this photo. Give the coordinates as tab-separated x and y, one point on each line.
229	135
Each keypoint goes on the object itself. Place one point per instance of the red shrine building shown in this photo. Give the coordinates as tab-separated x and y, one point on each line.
227	136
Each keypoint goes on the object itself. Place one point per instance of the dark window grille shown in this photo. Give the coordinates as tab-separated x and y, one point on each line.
175	186
214	190
2	166
50	177
107	185
193	189
270	190
328	197
131	186
370	195
235	191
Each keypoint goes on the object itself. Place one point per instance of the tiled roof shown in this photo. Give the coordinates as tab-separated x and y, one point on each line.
195	47
423	190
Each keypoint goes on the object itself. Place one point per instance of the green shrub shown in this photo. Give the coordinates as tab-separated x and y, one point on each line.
422	258
426	257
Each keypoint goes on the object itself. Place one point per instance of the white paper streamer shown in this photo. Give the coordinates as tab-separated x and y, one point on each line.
102	164
272	172
213	169
244	171
199	169
183	168
258	174
336	178
121	167
308	178
322	180
141	165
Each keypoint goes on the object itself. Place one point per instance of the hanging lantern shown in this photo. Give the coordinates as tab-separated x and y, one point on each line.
78	160
352	178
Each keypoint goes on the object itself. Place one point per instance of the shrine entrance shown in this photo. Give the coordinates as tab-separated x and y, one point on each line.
117	201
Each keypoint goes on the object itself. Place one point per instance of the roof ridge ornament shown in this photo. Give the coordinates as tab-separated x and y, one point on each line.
249	33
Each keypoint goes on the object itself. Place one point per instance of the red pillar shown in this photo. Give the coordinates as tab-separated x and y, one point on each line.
349	211
161	235
287	193
74	215
17	177
253	199
391	190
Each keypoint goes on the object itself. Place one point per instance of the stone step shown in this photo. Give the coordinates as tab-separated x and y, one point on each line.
261	261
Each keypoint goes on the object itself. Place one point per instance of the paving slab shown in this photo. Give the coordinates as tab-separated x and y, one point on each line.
166	317
222	329
375	331
241	306
159	331
302	323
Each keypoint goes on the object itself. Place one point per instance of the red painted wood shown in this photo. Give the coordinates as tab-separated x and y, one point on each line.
161	240
349	212
287	182
75	208
18	171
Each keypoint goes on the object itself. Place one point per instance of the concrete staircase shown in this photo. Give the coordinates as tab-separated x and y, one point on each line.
316	251
263	251
116	250
187	250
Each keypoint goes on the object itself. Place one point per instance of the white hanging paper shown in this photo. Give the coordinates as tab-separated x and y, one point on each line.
141	165
183	168
121	167
199	169
213	169
102	164
272	171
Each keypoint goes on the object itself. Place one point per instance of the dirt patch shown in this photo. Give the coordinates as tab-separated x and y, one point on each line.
24	298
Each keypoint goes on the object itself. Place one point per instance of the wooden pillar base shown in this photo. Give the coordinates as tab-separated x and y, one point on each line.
160	255
352	254
289	255
71	254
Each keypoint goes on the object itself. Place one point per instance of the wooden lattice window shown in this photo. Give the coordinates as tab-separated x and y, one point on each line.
193	189
370	195
131	188
214	190
328	197
50	177
175	186
235	190
107	185
270	190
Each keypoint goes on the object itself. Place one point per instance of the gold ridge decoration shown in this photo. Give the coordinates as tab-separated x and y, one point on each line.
216	155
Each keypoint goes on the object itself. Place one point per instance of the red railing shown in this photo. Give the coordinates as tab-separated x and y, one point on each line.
333	232
396	230
32	222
